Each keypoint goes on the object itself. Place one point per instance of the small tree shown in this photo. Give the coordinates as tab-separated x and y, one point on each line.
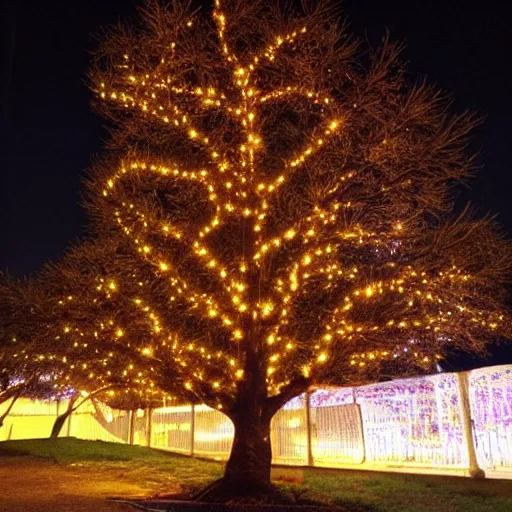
20	373
46	351
280	206
87	316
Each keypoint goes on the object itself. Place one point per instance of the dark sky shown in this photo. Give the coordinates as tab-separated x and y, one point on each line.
48	132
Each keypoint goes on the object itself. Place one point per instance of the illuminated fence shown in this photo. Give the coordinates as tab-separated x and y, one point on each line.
491	410
336	428
414	421
172	428
289	433
93	420
410	423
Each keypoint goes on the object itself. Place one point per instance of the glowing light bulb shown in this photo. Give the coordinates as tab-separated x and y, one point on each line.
267	308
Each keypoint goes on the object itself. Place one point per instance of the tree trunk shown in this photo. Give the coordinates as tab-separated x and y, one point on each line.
247	471
59	423
249	462
9	408
61	419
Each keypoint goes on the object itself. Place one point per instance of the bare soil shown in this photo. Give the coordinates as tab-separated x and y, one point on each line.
28	484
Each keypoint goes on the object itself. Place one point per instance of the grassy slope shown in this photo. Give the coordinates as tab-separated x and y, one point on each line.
155	472
144	464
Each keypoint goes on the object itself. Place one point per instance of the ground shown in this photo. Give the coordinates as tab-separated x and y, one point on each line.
71	475
32	485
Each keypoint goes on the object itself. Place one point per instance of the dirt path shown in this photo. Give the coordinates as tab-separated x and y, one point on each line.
34	485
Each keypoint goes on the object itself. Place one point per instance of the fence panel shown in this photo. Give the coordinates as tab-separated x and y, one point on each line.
172	428
214	431
26	407
449	448
102	422
26	427
413	421
29	419
140	434
288	433
336	428
490	391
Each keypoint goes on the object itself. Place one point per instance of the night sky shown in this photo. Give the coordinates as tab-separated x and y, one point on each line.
49	133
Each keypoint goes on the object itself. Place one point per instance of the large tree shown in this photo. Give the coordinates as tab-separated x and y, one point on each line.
280	203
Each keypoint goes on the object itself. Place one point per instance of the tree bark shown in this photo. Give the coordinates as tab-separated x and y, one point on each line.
248	467
58	424
251	454
9	408
61	419
247	472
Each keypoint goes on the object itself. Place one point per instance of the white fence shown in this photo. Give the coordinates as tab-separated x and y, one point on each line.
416	423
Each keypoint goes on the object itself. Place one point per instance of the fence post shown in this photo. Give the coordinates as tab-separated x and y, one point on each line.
149	425
131	427
361	425
307	396
465	411
68	431
192	428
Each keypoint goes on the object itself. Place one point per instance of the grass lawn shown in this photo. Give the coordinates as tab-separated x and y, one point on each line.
71	475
